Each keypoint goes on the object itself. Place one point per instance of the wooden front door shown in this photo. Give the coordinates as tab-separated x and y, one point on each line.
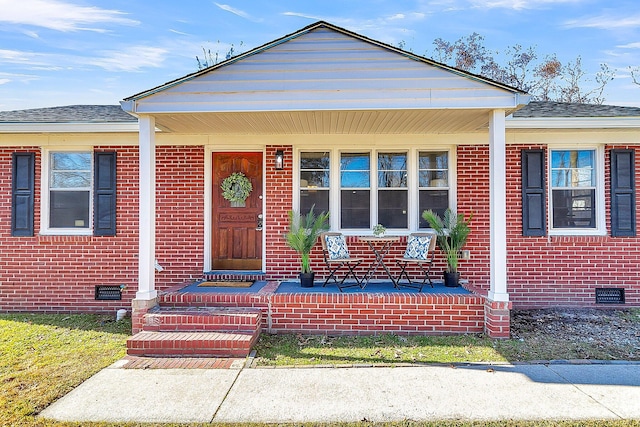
236	238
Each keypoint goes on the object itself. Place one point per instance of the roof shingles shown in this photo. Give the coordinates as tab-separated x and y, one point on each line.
69	114
564	109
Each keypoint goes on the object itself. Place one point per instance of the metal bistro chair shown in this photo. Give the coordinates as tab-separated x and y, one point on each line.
336	255
420	251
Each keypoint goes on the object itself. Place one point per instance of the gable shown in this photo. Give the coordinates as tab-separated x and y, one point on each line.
324	69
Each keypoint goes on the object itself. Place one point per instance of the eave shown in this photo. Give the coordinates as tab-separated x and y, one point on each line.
128	127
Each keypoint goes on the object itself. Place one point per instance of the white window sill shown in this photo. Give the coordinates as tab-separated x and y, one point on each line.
66	232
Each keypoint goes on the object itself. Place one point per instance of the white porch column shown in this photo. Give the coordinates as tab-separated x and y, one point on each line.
147	230
498	206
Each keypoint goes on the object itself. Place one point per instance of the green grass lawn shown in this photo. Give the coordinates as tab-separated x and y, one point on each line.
46	356
43	357
283	350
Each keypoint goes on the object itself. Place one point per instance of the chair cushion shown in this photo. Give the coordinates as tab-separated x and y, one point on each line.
337	247
417	247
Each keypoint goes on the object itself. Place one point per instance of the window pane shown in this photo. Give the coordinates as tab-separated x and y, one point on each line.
314	170
70	170
573	168
355	170
70	161
69	209
573	177
433	169
319	198
434	160
436	200
433	179
392	170
574	208
70	180
355	209
392	208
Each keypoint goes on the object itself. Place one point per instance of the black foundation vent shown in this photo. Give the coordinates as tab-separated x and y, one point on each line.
108	292
609	296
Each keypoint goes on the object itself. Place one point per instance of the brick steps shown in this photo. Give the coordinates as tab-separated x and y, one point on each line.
191	344
196	332
201	319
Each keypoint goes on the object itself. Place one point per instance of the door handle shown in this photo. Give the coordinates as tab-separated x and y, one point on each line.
259	222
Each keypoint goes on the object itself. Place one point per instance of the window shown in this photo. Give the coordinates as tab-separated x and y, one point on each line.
79	193
69	190
355	190
433	183
383	186
392	190
573	189
314	182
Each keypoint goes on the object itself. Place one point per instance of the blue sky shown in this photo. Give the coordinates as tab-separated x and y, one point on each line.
63	52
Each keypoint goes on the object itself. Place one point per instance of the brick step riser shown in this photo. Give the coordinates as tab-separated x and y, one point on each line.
188	352
189	348
195	344
185	323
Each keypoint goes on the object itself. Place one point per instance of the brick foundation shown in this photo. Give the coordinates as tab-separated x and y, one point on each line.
350	314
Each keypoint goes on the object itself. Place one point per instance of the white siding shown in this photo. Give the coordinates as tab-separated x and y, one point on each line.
326	70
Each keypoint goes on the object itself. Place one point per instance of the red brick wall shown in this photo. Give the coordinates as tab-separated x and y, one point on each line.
543	271
179	214
350	314
59	273
360	314
281	261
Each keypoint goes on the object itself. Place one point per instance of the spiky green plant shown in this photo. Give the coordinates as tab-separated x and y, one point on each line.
303	233
452	231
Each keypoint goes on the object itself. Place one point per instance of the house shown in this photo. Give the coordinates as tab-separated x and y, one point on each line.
126	201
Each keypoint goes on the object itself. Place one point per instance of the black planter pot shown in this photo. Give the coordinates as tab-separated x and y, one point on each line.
306	279
452	280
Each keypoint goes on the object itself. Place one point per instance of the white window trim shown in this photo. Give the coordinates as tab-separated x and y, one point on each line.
601	226
412	183
45	230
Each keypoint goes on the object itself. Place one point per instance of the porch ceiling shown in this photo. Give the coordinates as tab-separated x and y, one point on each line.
326	122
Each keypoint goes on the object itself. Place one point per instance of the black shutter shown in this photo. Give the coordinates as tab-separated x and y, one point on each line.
533	193
623	195
22	194
104	194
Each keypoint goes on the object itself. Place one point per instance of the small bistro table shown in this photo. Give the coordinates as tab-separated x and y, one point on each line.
380	247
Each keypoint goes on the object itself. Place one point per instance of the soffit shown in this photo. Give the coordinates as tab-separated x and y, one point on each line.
326	122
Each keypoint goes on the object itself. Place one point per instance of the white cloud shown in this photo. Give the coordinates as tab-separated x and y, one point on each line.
606	22
237	12
304	15
14	56
59	15
17	77
178	32
130	59
517	4
635	45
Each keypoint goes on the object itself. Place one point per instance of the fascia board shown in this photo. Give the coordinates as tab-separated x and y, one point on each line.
573	123
69	127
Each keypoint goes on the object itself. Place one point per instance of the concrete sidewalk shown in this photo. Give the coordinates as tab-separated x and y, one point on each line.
468	392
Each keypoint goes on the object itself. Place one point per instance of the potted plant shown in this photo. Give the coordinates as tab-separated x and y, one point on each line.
379	230
452	231
302	236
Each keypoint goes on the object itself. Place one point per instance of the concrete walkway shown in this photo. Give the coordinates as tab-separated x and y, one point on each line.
468	392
